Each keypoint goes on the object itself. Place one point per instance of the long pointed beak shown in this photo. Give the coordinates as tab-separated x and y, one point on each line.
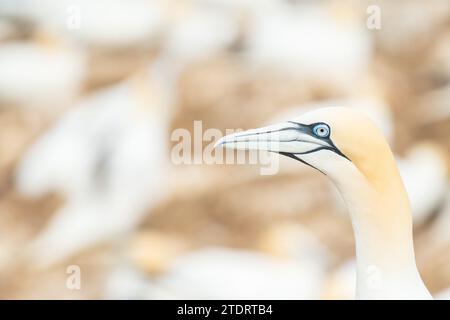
285	137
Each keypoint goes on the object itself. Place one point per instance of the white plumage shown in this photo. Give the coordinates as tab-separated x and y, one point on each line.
44	75
290	265
293	267
198	32
219	273
424	173
109	158
103	23
298	40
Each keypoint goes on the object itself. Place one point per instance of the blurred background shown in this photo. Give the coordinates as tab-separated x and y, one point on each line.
92	204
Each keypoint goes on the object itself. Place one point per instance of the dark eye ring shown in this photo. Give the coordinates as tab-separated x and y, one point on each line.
321	130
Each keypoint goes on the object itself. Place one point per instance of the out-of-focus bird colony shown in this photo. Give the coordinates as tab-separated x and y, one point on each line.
90	92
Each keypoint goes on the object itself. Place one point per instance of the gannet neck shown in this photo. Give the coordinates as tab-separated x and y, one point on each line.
382	223
347	146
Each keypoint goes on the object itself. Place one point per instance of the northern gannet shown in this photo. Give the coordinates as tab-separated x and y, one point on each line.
296	38
424	165
112	24
111	141
198	30
44	75
290	264
349	149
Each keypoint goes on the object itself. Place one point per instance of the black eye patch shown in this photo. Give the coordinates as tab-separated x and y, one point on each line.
309	129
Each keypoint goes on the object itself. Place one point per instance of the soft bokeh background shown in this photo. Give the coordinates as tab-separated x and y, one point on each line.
91	90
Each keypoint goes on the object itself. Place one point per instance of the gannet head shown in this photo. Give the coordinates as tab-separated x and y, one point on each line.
336	141
345	145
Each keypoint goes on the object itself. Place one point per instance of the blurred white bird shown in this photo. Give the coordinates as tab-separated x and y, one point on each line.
197	30
219	273
45	74
125	282
151	252
108	156
424	174
113	24
16	9
309	41
292	267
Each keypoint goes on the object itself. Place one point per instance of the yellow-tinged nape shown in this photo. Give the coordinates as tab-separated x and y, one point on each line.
380	200
377	202
345	144
358	138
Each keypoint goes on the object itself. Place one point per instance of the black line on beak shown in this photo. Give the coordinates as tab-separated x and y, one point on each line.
308	129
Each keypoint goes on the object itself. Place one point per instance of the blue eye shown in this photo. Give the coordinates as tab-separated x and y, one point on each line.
321	130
